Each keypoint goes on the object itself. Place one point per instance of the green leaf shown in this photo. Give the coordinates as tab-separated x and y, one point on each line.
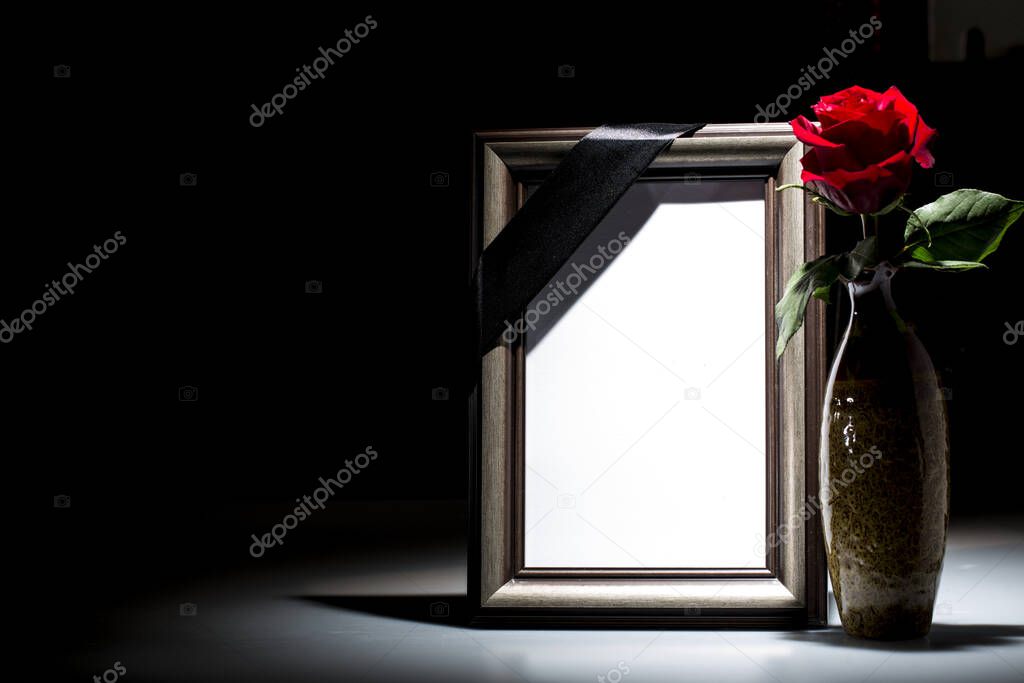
863	255
962	226
892	206
816	278
817	198
791	309
915	225
944	265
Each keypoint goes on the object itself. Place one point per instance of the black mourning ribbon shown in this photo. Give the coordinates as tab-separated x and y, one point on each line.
562	212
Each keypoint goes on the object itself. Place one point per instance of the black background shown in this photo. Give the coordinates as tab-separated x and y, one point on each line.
209	289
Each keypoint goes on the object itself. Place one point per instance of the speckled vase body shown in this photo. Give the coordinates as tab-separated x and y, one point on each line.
884	470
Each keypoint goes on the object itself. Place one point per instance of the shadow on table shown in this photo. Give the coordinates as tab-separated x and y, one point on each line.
943	637
452	610
443	610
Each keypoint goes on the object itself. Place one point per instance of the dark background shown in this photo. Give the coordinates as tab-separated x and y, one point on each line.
209	289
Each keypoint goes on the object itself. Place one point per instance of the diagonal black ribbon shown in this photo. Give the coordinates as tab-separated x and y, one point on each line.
560	215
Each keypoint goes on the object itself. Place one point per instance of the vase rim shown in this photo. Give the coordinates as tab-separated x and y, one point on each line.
872	278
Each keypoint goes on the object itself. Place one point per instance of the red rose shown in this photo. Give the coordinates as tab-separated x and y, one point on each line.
862	155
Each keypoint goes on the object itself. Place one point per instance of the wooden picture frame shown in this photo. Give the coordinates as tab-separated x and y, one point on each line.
790	591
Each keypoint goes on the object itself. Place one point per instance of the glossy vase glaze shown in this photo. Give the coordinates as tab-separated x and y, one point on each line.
884	470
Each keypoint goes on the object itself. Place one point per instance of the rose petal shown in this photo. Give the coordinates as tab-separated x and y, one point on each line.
807	132
851	103
868	190
922	139
872	138
920	133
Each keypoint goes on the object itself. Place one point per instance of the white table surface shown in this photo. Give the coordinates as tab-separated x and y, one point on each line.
324	618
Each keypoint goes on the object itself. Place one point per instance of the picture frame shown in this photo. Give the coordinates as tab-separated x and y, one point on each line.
790	590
